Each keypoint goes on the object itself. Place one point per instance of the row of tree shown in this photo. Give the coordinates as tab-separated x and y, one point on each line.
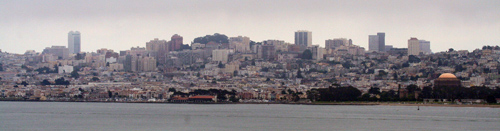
219	38
412	93
221	94
59	81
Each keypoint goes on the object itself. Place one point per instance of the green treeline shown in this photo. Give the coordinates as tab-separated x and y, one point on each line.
410	93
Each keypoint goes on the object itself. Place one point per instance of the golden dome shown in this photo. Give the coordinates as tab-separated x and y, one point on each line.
447	76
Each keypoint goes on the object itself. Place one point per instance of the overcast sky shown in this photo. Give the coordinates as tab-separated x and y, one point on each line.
121	24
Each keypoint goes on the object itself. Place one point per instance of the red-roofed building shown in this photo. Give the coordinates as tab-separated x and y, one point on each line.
203	98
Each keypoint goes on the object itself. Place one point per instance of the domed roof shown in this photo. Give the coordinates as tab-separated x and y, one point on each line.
447	76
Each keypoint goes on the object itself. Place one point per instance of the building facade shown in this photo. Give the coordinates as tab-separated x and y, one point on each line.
335	43
425	46
413	46
175	43
373	43
303	38
60	51
376	42
74	42
220	55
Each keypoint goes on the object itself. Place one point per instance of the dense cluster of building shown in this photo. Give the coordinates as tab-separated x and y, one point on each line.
271	70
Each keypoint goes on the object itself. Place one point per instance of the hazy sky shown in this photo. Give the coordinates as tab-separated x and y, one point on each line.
121	24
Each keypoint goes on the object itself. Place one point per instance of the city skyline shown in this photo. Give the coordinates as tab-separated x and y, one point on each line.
34	25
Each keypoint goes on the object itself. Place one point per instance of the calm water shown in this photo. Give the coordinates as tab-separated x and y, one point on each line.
135	116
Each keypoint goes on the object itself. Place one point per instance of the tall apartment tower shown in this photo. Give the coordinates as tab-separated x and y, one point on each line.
425	46
381	41
413	46
175	43
303	38
240	43
335	43
376	42
74	42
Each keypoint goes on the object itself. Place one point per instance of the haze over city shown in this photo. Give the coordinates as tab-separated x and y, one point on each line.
119	25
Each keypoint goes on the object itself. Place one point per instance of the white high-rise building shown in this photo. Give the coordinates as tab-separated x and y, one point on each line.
220	55
147	64
240	43
303	38
279	45
74	42
413	46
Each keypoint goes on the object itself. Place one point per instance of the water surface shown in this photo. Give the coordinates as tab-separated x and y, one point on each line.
47	116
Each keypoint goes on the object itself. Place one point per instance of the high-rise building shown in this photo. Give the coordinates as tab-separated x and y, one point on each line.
413	46
130	64
147	64
317	52
175	43
240	44
279	45
376	42
220	55
74	42
335	43
303	38
268	52
425	46
373	43
60	51
381	41
158	47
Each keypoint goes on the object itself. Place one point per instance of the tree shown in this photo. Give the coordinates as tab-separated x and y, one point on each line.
219	38
45	82
221	65
110	94
75	74
95	79
1	67
491	99
61	81
185	47
171	89
413	59
307	54
412	88
382	73
426	92
450	50
374	90
233	98
299	74
80	56
24	83
268	79
406	64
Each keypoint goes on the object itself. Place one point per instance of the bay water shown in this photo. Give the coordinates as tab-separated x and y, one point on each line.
49	116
